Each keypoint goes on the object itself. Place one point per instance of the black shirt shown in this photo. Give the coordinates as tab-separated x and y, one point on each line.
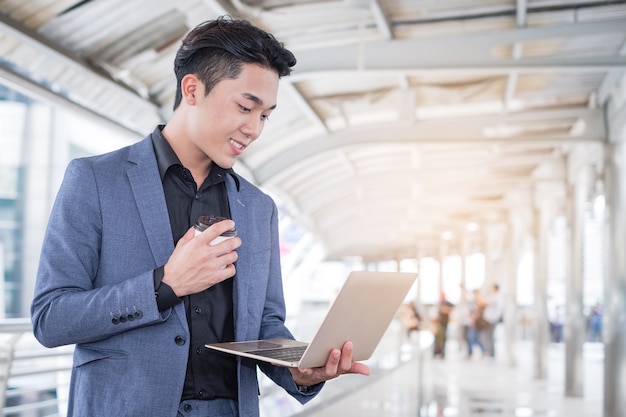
210	313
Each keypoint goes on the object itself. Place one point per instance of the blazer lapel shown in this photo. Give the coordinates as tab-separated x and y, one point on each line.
145	183
241	285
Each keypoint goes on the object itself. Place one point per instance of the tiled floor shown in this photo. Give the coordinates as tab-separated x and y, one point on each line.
465	388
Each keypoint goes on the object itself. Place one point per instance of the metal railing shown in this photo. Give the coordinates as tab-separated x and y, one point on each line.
34	379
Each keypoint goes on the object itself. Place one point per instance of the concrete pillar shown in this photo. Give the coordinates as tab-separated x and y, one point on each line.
440	258
510	293
540	307
577	196
614	322
615	283
489	268
520	224
418	286
464	249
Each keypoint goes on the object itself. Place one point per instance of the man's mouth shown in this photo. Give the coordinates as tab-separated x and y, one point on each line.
237	145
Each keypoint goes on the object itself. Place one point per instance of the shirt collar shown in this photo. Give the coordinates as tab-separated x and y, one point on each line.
166	157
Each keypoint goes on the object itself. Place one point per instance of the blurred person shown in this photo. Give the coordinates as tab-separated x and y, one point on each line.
492	313
595	323
441	326
122	276
464	317
469	313
556	319
411	317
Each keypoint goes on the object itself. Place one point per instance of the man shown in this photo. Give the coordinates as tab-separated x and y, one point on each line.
123	277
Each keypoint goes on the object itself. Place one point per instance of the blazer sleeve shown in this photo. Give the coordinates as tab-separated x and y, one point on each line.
78	298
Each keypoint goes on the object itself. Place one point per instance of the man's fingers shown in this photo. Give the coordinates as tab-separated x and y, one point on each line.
346	358
360	368
216	229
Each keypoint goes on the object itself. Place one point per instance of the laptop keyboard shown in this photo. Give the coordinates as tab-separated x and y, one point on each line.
290	354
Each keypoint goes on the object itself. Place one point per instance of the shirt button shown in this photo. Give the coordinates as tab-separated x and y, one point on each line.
199	351
202	394
197	196
180	340
198	310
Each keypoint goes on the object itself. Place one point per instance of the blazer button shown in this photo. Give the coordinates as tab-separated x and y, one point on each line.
180	340
115	320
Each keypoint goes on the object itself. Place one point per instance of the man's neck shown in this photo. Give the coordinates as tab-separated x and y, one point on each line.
196	162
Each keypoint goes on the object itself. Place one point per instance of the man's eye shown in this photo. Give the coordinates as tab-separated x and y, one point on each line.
244	109
265	117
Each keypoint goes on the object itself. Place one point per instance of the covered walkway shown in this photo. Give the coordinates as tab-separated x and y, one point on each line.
491	132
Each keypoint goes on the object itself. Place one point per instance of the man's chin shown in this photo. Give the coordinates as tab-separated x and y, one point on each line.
225	163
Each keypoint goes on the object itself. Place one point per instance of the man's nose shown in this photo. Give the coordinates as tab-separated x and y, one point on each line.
253	128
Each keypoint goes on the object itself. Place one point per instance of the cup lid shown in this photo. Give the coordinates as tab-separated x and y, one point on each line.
205	221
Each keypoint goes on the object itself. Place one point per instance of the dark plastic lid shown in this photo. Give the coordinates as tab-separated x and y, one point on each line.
204	222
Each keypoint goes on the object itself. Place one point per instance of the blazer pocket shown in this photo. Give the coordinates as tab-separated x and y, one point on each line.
85	355
260	264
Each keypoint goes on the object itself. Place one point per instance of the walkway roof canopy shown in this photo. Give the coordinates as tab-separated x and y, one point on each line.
404	121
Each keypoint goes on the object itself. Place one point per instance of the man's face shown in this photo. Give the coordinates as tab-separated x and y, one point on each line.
233	115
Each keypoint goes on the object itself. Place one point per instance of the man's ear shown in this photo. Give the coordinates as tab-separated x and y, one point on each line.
190	88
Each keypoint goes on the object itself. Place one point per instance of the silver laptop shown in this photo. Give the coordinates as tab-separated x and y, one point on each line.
360	313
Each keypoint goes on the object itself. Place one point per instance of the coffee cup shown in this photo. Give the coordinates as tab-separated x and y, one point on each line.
204	222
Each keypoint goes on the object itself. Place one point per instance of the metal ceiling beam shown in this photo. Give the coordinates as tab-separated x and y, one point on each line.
611	79
470	51
304	105
492	170
407	57
511	82
320	197
53	51
99	80
466	130
382	21
31	89
25	35
521	13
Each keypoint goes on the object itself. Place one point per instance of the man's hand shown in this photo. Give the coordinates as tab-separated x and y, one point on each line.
196	265
339	363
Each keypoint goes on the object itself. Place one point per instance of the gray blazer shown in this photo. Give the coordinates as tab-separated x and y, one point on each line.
109	228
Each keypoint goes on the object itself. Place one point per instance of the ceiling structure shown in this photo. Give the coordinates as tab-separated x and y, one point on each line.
402	122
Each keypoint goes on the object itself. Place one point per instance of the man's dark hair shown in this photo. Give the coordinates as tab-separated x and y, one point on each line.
215	50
